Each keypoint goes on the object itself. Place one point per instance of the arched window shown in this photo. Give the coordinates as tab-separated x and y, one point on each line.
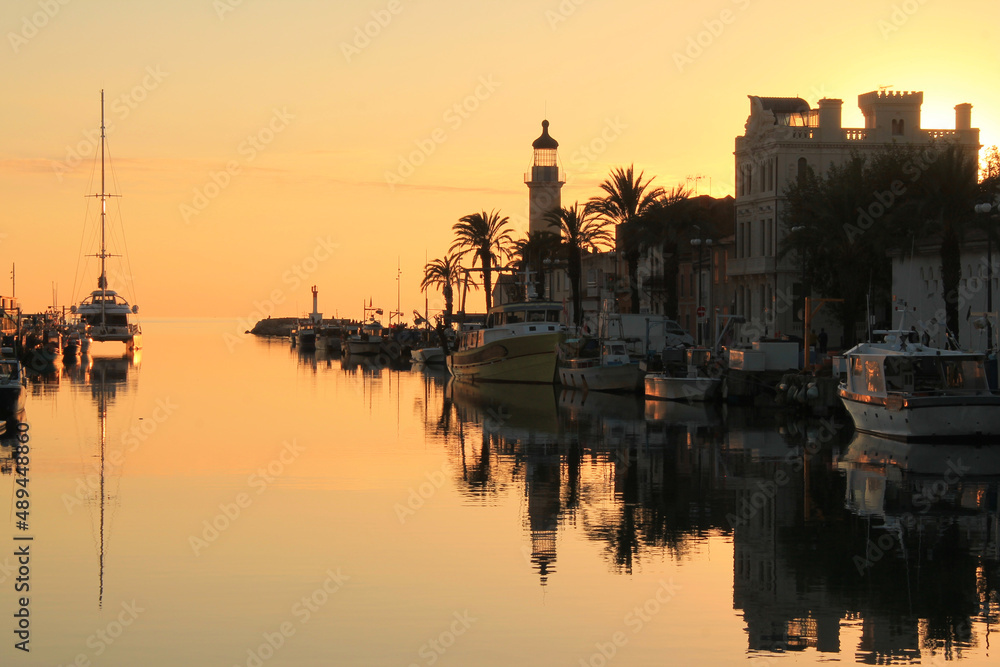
803	166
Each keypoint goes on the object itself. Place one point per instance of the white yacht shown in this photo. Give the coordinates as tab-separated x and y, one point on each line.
901	388
105	315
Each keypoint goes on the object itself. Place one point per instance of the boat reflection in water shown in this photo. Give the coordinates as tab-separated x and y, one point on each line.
106	378
930	558
589	460
907	567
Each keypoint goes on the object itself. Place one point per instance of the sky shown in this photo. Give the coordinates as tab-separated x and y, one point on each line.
261	147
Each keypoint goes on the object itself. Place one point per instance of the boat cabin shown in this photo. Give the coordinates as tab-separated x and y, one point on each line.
916	374
515	319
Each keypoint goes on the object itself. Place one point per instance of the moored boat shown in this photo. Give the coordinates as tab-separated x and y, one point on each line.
428	355
105	315
11	384
366	340
695	383
518	344
610	369
900	388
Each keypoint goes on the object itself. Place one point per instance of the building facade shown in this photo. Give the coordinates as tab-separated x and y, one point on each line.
783	138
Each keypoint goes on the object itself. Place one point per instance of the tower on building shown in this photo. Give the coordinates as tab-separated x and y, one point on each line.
544	181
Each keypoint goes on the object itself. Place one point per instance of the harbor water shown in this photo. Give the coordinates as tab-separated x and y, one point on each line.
220	499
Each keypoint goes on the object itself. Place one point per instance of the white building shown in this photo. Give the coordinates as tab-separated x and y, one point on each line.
916	283
783	137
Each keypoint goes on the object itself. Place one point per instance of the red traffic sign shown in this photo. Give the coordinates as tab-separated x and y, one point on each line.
701	311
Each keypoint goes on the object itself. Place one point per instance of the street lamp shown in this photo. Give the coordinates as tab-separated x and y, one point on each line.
700	244
798	229
985	210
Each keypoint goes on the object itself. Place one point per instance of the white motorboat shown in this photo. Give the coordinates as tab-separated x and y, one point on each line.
366	340
518	344
901	388
695	383
676	388
105	315
610	369
428	355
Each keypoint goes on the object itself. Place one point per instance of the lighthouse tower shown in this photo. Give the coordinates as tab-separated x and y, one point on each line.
544	181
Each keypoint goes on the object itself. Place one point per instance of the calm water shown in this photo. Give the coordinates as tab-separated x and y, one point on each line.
260	507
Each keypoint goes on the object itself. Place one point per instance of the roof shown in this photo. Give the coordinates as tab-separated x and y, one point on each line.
545	141
782	104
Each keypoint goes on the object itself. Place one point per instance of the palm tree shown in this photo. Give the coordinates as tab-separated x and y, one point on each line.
627	199
444	274
821	215
487	236
670	222
532	252
582	232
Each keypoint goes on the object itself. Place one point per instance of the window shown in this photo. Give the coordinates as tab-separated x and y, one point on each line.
803	168
897	127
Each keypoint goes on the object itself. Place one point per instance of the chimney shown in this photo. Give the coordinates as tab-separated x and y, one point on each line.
963	116
830	118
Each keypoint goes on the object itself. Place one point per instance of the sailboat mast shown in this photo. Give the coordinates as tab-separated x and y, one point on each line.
103	284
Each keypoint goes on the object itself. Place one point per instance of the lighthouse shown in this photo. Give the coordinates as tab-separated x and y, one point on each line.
544	181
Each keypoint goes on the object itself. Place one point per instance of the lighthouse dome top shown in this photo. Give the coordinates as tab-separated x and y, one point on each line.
545	141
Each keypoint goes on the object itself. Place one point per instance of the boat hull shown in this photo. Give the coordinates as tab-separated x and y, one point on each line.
306	339
11	399
925	418
428	355
515	359
624	377
671	388
361	348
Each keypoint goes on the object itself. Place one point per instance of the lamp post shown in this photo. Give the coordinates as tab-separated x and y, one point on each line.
985	209
805	316
700	244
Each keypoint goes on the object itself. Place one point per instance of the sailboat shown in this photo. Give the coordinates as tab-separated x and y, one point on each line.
105	315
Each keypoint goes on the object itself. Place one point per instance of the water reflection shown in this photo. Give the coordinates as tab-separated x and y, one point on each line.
930	553
834	534
106	378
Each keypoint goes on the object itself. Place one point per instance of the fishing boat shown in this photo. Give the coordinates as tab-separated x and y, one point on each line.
606	368
105	315
694	381
305	331
367	339
902	388
329	338
518	344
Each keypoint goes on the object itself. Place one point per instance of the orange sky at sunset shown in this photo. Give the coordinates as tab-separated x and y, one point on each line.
250	136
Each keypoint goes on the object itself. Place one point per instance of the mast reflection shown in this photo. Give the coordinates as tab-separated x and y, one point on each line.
105	377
